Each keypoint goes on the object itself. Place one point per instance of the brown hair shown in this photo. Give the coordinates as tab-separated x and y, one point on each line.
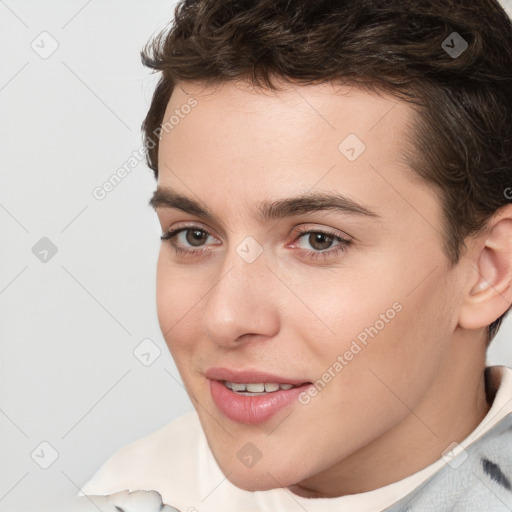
462	137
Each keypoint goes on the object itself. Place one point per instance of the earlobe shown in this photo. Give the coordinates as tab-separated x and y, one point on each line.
491	295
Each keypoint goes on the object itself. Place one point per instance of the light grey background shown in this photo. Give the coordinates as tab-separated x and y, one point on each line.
70	324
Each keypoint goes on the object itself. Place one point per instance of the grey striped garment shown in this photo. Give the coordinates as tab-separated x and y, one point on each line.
479	479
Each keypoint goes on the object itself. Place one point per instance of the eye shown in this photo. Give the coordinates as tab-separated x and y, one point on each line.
194	236
321	241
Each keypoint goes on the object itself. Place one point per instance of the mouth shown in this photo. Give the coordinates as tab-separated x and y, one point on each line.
252	397
259	388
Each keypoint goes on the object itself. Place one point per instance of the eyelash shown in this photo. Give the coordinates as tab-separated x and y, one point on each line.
343	243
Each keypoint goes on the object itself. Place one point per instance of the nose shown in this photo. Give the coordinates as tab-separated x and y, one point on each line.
243	304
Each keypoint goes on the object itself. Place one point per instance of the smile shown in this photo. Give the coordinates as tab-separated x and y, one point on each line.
242	405
257	389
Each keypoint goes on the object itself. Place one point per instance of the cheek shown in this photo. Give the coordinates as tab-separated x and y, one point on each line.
346	305
379	321
165	295
176	304
410	339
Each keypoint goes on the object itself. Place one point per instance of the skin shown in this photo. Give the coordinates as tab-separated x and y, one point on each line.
414	388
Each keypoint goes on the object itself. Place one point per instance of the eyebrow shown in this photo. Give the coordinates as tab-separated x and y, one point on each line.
165	197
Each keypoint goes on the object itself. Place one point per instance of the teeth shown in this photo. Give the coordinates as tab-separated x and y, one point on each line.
257	387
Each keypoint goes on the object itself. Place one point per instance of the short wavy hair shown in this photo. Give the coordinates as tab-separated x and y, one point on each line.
462	137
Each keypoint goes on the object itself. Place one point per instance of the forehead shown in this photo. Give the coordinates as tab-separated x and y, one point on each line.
249	143
336	105
238	119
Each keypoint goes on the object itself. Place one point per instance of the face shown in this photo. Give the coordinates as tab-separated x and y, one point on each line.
346	291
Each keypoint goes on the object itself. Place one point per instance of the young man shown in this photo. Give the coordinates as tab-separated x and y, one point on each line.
334	191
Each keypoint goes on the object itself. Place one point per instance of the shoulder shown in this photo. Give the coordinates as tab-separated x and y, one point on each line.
479	478
168	451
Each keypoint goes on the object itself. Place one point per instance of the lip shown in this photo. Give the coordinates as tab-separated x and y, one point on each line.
247	376
251	410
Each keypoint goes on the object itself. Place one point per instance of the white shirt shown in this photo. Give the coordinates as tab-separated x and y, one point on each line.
176	460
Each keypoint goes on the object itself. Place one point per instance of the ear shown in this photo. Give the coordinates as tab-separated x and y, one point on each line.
490	292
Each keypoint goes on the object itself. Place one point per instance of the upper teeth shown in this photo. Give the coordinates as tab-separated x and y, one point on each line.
257	387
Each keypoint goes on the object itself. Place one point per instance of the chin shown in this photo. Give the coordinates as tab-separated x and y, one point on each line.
249	481
261	477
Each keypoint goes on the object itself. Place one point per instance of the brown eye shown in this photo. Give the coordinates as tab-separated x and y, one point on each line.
195	237
188	240
320	241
